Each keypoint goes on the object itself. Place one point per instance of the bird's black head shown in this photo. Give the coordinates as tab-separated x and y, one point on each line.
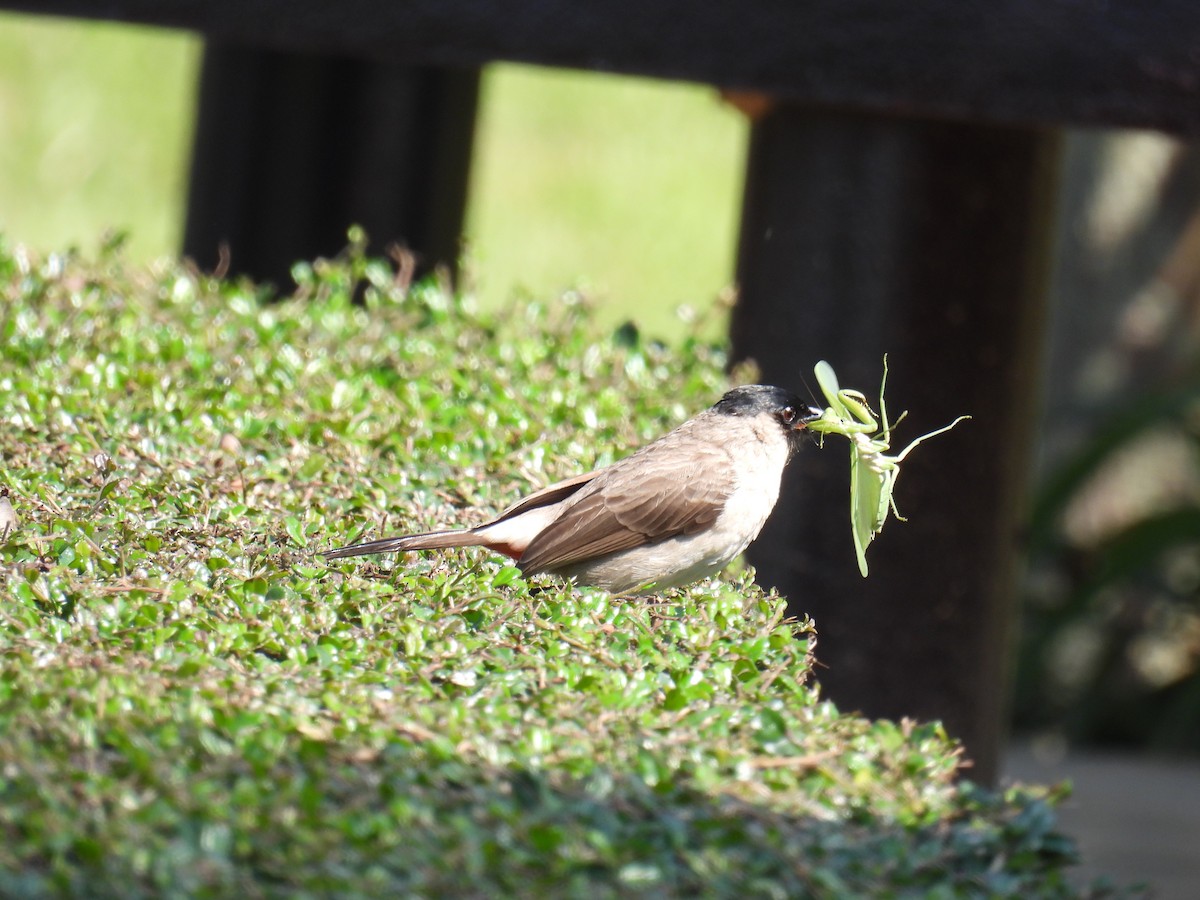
792	413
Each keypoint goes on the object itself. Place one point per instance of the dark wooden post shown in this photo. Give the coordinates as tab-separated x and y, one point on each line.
929	241
293	148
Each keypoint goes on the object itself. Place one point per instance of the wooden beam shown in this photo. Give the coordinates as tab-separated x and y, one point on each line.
1080	62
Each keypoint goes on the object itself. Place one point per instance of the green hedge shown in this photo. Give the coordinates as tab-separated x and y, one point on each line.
192	704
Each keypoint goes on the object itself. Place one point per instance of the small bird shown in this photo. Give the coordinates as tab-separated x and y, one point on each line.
677	510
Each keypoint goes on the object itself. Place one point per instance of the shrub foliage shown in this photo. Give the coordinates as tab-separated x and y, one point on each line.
191	703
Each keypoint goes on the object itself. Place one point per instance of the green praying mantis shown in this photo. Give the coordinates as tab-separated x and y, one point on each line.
873	473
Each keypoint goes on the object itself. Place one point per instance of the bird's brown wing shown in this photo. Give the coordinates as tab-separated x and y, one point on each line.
648	497
551	493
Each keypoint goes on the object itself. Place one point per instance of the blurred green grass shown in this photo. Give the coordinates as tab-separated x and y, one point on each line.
625	188
96	129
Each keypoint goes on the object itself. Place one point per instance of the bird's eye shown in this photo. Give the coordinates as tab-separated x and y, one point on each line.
789	415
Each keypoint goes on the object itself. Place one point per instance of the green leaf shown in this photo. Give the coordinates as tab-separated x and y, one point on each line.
295	530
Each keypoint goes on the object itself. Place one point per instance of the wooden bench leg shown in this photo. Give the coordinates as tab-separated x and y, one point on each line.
291	149
930	241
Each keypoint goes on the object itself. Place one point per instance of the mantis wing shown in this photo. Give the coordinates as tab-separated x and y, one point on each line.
860	513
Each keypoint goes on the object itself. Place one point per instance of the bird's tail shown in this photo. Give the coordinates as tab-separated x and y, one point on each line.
432	540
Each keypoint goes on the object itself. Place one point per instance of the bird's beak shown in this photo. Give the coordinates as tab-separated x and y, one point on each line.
810	415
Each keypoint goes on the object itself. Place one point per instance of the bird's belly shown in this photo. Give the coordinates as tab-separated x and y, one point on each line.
672	562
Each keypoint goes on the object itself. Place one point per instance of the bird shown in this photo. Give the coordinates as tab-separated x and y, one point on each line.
673	512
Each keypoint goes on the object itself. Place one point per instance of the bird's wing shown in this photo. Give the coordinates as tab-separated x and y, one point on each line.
552	493
643	499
